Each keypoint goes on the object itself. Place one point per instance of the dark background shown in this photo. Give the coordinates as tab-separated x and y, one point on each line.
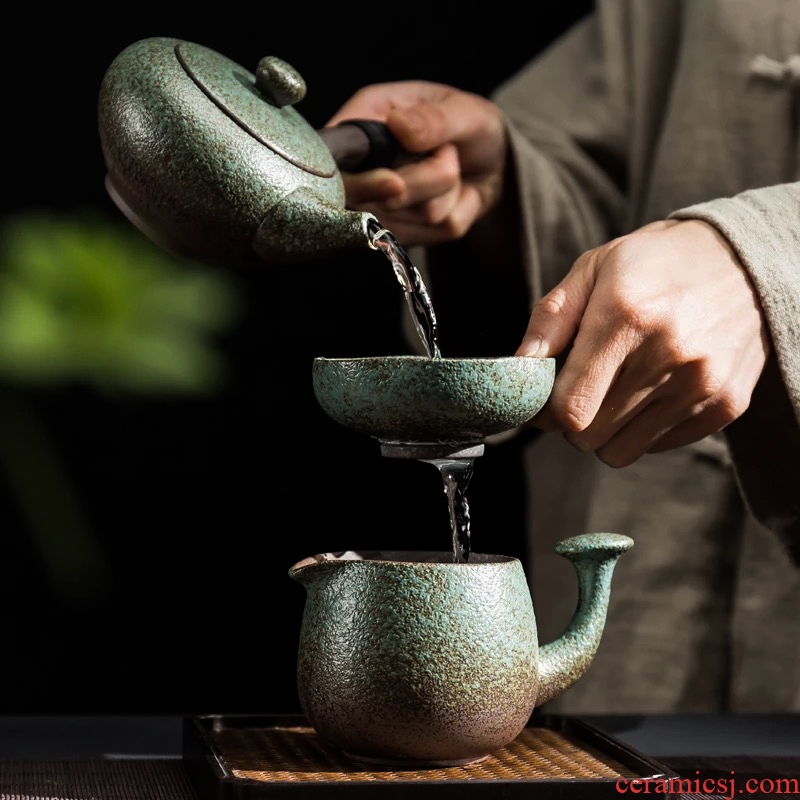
200	506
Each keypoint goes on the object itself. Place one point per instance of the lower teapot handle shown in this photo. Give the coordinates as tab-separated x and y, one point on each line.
358	145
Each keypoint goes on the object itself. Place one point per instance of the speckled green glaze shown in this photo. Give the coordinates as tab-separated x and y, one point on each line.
420	399
411	659
213	167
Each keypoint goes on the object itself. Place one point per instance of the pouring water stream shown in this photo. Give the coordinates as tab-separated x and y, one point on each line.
456	473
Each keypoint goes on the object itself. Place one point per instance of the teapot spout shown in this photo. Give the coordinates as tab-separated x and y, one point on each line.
564	661
303	226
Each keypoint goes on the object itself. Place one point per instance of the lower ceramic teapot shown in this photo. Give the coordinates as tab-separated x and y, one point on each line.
413	659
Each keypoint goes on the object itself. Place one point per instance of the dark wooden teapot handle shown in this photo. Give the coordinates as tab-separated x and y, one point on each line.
358	145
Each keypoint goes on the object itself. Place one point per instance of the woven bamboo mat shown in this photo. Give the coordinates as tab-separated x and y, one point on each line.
298	754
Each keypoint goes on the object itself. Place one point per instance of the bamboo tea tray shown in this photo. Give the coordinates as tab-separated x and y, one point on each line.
255	757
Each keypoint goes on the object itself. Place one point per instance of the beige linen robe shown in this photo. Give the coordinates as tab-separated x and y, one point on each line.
645	110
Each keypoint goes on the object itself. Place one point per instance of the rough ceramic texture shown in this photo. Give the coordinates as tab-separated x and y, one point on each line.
562	662
209	166
420	399
411	659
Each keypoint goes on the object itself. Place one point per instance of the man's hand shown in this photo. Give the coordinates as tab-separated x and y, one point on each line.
667	342
438	198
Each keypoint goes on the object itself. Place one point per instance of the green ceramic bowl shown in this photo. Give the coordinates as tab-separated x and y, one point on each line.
421	399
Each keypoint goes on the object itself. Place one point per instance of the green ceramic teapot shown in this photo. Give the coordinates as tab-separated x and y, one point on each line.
411	659
213	161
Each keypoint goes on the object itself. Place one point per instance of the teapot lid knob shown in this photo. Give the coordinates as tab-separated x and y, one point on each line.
280	82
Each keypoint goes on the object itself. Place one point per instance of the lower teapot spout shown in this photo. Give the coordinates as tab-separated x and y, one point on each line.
564	661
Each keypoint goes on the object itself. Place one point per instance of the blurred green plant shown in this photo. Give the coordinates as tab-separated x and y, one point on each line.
84	301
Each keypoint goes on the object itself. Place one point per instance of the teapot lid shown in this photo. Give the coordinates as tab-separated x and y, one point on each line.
261	103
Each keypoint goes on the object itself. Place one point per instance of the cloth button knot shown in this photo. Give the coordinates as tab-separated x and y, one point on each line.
787	72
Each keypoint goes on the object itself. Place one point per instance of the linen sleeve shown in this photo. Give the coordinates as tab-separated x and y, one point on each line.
763	227
567	128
